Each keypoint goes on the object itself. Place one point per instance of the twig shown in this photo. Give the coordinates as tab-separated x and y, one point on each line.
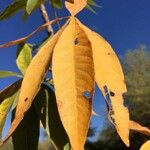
23	39
46	19
55	15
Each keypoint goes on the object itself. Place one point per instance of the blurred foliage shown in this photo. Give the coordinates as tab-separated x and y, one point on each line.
45	145
136	65
7	146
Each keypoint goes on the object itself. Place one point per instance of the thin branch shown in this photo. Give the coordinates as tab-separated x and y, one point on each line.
46	19
55	15
23	39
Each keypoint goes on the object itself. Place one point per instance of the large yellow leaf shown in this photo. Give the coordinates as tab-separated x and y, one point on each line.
73	75
139	128
75	7
110	79
146	146
32	80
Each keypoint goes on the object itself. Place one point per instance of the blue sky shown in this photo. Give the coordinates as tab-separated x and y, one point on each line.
124	23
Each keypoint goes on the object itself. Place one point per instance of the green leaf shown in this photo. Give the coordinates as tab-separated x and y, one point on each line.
16	98
4	74
10	90
24	56
7	99
46	101
92	3
56	3
67	147
31	5
26	136
12	9
90	8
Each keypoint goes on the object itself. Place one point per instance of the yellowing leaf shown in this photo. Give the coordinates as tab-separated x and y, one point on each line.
120	118
73	75
4	109
137	127
146	146
24	56
110	79
75	7
6	101
32	80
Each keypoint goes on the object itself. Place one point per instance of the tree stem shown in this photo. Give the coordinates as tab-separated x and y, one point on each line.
46	19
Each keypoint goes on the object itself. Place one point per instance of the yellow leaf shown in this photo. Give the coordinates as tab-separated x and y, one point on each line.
75	7
110	79
139	128
73	76
32	80
146	146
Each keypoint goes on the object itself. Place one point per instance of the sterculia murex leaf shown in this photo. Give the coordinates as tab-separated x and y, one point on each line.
33	78
73	75
110	79
80	56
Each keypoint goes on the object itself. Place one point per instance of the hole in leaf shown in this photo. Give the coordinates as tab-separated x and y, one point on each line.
87	95
112	93
26	99
76	41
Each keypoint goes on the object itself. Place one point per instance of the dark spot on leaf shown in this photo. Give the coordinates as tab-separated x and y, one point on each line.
26	99
76	41
87	95
109	53
112	93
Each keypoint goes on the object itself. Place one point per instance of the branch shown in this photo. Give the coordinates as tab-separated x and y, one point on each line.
55	15
46	19
23	39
